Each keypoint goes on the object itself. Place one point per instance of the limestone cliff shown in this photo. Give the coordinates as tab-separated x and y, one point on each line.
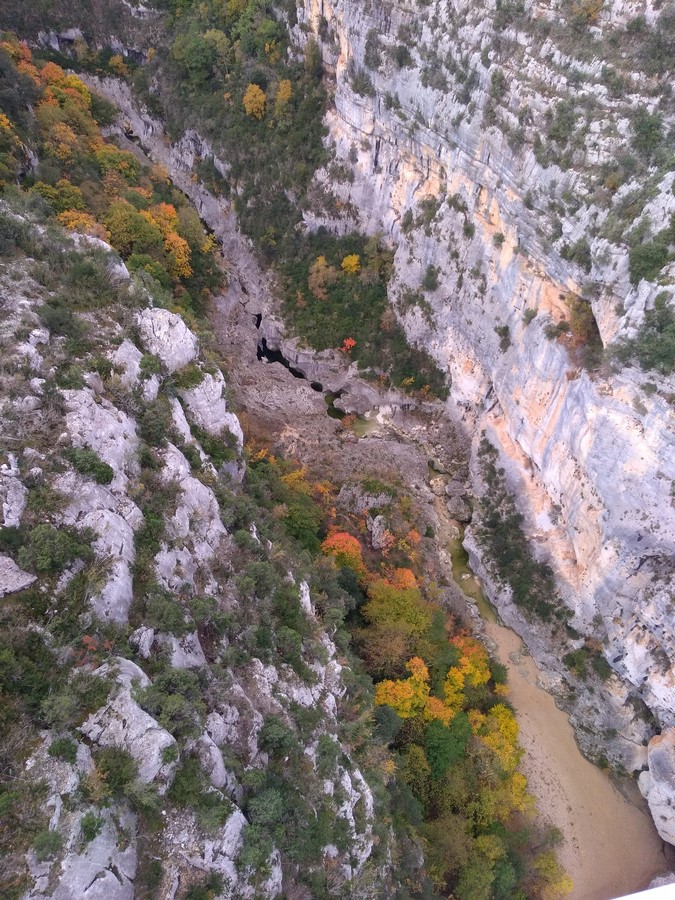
444	128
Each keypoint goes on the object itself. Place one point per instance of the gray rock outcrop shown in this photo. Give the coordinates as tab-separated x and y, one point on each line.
167	336
658	783
123	724
12	578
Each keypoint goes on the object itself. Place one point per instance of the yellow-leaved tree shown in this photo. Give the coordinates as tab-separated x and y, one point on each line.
351	264
284	94
254	101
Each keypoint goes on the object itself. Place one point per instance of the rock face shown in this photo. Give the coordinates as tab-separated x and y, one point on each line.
122	723
590	457
167	336
430	143
157	520
658	783
101	871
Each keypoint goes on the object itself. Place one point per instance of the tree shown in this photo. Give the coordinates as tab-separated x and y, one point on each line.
351	264
178	251
346	550
446	744
254	101
389	605
321	276
284	94
83	222
407	697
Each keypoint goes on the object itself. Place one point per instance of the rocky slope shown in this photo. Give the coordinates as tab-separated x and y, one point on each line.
438	119
487	148
178	689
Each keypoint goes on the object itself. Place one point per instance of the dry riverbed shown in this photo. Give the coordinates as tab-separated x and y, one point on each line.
611	846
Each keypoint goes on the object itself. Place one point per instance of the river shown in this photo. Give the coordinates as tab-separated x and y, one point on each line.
611	847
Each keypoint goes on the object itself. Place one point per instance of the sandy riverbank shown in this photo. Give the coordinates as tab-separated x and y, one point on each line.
611	846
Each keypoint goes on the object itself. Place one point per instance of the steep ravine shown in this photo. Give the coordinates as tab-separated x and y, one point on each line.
610	844
588	455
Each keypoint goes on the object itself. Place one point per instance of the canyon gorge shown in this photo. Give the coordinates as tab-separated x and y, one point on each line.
517	163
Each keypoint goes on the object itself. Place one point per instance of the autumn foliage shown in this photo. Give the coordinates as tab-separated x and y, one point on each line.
457	749
346	550
254	101
96	188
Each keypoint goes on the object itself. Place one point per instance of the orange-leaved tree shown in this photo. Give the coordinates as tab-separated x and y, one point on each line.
407	696
347	551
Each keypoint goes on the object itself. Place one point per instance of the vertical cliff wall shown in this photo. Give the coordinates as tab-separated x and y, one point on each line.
483	150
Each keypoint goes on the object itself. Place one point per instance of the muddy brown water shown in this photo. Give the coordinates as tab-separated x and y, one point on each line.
611	847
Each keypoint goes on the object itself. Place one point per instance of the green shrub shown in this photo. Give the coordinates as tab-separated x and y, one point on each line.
647	260
90	464
190	789
208	890
507	551
579	252
647	132
50	549
150	365
175	700
165	613
361	82
576	661
188	377
118	767
221	448
654	346
47	844
266	809
504	337
91	826
373	55
256	849
430	281
562	127
59	320
74	701
554	330
63	748
12	538
601	667
401	56
275	738
529	315
155	423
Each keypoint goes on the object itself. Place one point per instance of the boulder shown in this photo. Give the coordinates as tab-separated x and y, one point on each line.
459	509
658	783
378	529
167	336
12	493
208	407
455	489
12	578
